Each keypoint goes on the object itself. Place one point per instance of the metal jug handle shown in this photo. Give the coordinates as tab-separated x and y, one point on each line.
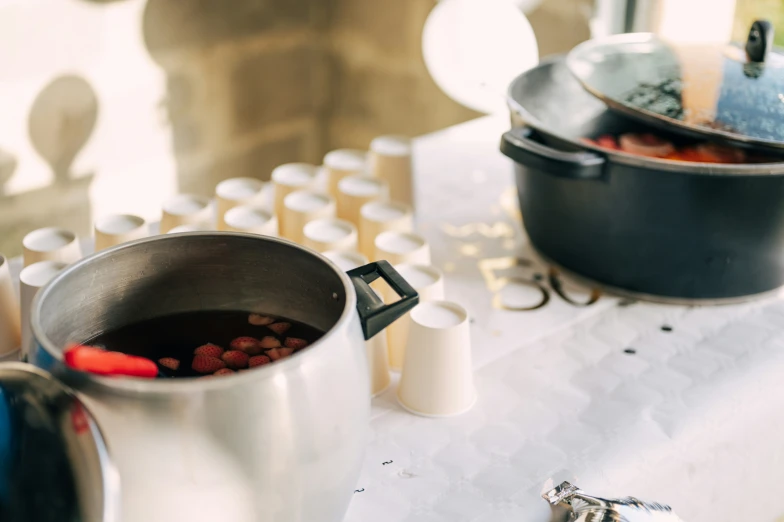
374	315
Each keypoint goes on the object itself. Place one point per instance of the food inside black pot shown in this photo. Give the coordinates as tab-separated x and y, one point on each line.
209	342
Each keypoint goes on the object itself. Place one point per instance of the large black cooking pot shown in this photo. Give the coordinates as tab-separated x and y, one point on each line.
653	228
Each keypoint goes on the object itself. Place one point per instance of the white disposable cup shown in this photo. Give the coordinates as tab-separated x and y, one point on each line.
10	323
185	209
51	244
437	378
117	229
428	281
289	178
355	191
342	163
31	279
402	247
378	217
390	160
300	208
330	234
234	192
346	260
190	228
254	220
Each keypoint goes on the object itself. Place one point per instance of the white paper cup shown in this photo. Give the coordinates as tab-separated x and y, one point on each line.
190	228
330	234
289	178
10	323
31	279
51	244
117	229
378	217
185	209
437	378
355	191
428	281
402	247
300	208
250	219
342	163
346	260
390	160
234	192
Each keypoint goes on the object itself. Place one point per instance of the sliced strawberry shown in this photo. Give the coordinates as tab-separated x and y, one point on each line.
235	359
169	362
270	342
285	352
274	354
293	342
260	320
224	371
280	328
207	364
259	360
249	345
607	141
646	145
209	349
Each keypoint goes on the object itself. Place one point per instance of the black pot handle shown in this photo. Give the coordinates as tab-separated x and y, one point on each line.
760	41
373	313
519	145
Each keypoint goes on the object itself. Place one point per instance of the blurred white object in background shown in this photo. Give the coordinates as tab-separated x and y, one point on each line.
473	49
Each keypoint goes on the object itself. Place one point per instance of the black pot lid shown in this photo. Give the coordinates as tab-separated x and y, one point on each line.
54	466
722	92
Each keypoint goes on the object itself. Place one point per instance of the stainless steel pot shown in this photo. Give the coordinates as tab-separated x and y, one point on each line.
284	442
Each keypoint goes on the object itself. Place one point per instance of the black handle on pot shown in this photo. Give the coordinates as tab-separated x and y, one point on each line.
760	41
519	146
373	313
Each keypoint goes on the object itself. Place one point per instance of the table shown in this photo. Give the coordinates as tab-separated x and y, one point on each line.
674	404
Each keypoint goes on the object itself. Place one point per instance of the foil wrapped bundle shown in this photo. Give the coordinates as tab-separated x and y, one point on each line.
570	504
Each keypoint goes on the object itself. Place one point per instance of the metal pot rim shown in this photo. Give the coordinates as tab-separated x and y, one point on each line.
132	385
684	167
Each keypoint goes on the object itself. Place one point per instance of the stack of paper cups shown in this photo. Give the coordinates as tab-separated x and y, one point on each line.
342	163
330	234
32	279
402	247
185	209
10	333
355	191
189	228
289	178
390	160
429	283
250	219
302	207
235	192
437	378
51	244
378	217
118	229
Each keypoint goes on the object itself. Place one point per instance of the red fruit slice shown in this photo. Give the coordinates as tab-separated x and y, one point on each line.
285	352
207	364
169	362
101	362
209	349
646	145
274	354
270	342
260	320
259	360
235	359
249	345
224	371
280	328
293	342
714	153
608	142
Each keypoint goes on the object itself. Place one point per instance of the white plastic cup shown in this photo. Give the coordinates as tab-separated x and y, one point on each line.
342	163
330	234
346	260
10	323
300	208
402	247
189	228
51	244
117	229
437	378
31	279
380	216
250	219
355	191
234	192
289	178
185	209
428	281
390	160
